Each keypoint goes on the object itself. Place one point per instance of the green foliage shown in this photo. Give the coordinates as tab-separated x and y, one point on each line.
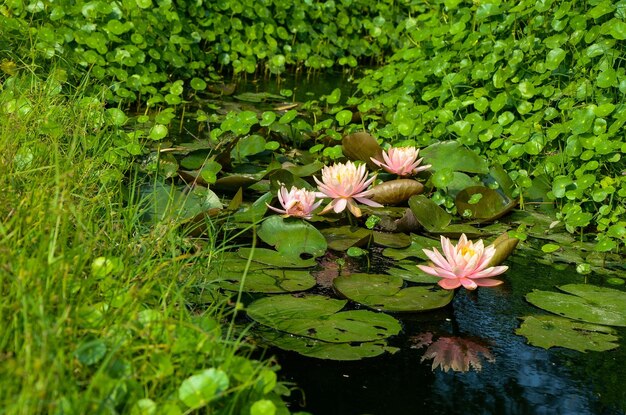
155	50
535	87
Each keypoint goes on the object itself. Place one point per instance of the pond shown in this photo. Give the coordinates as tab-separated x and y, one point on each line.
521	379
319	281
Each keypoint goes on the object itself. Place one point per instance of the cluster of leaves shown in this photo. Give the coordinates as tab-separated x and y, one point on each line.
534	87
150	50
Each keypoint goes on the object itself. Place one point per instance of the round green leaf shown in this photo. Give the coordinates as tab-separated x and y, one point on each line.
584	302
292	237
263	407
324	350
549	331
385	293
198	390
91	352
318	317
198	84
158	132
343	117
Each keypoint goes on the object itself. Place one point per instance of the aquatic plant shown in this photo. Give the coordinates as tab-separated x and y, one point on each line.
465	264
402	161
345	183
296	202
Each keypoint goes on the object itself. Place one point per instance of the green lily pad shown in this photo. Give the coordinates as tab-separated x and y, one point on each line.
253	212
549	331
385	293
392	240
483	203
588	303
274	258
166	202
432	217
267	280
410	272
318	317
344	237
324	350
454	156
415	250
292	237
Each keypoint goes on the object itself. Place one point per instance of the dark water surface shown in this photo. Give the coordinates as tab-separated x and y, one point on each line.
522	380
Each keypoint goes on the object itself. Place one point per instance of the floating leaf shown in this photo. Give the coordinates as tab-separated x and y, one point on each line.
588	303
385	293
267	280
318	317
549	331
410	272
432	217
271	257
254	212
392	240
362	146
344	237
416	249
397	191
292	237
324	350
505	245
490	204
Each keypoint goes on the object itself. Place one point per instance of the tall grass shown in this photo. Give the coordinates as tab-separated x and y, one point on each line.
99	312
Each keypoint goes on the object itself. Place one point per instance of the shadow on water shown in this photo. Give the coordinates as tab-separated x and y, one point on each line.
522	380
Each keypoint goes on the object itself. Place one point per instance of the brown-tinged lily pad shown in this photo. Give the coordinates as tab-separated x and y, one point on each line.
344	237
483	204
362	146
385	293
324	350
320	318
584	302
505	245
397	191
550	331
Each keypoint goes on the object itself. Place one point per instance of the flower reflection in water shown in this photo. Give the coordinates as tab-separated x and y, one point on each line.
452	353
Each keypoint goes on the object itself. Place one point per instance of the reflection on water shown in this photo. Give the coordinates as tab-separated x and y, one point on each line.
522	380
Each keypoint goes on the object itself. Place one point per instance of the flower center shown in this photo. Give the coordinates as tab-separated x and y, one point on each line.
467	250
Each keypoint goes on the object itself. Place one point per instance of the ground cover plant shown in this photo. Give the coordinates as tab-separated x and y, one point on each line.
153	212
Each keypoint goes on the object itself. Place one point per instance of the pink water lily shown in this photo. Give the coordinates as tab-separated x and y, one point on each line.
401	161
296	202
465	264
345	183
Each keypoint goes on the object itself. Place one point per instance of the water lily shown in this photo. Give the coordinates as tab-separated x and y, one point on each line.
401	161
345	183
296	202
465	264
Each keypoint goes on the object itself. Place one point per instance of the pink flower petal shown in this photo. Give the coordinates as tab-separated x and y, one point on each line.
488	282
449	284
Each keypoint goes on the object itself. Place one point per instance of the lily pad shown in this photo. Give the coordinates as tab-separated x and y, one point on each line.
432	217
255	211
324	350
274	258
344	237
292	237
396	191
410	272
588	303
392	240
505	245
385	293
483	203
362	146
318	317
267	280
549	331
416	249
